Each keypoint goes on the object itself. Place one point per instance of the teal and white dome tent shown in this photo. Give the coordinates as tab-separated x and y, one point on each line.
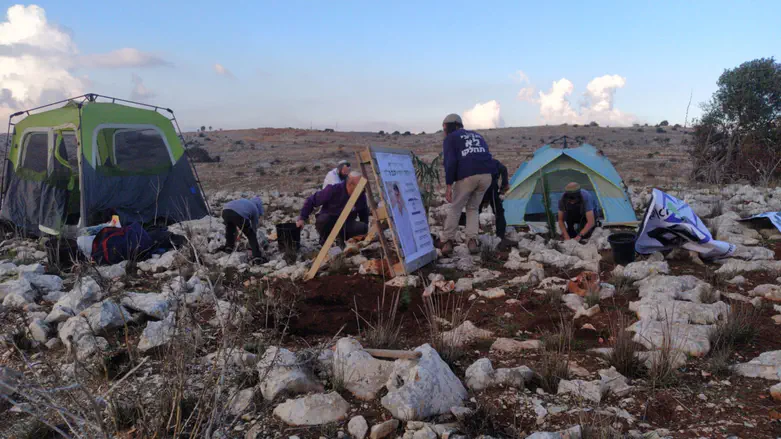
540	182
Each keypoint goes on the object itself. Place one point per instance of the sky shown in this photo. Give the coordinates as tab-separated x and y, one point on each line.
369	66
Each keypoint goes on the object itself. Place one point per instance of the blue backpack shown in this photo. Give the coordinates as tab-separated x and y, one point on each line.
113	245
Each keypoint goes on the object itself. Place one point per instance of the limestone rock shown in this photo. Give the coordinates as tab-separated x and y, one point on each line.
583	312
418	389
679	311
464	284
775	392
151	304
279	372
44	282
589	390
612	381
493	293
465	334
241	402
767	365
403	281
157	333
484	275
509	346
481	375
357	427
570	433
78	338
384	429
316	409
641	270
691	339
113	271
362	374
767	291
685	287
39	330
106	315
734	267
84	293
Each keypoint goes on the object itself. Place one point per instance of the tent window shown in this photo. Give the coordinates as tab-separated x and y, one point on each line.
139	150
35	152
69	150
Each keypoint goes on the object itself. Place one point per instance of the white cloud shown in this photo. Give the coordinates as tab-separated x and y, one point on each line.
597	104
34	61
522	77
38	59
139	91
528	94
484	116
222	71
127	57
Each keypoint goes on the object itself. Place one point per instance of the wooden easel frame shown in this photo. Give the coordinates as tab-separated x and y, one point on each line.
367	159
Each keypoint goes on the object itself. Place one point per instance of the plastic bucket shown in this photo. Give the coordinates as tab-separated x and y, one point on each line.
288	236
623	246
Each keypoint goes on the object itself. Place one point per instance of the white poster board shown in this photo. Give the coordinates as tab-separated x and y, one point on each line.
405	206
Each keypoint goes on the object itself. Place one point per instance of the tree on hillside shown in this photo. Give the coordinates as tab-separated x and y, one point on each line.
739	133
203	128
664	123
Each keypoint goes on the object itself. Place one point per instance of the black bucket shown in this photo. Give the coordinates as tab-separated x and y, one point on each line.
288	236
623	246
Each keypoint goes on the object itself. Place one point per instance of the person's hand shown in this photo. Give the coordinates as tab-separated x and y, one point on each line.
567	238
449	194
300	223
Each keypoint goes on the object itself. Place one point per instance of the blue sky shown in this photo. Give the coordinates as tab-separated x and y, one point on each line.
405	65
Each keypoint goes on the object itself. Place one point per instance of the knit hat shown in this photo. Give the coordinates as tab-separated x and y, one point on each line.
452	118
572	188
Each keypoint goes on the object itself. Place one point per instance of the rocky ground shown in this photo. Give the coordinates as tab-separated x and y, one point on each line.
194	343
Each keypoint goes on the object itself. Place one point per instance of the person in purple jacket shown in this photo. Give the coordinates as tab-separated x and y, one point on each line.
468	170
331	201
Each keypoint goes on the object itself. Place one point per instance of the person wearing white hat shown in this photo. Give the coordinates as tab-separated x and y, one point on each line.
337	174
468	169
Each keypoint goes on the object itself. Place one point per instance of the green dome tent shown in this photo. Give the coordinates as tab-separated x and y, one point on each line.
71	164
540	182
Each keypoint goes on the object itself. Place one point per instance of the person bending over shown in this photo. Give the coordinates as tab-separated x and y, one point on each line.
332	201
244	215
577	213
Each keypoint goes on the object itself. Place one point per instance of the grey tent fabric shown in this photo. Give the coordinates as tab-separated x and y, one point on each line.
173	195
22	202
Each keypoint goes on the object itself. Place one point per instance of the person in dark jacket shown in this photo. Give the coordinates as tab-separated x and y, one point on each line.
244	215
331	201
577	213
468	169
499	185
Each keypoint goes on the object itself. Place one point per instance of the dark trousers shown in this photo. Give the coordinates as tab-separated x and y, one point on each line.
235	222
492	199
324	223
574	227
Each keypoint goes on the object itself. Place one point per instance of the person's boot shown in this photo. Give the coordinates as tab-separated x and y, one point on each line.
473	245
447	248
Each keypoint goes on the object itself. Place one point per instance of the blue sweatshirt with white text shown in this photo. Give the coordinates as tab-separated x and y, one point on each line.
466	154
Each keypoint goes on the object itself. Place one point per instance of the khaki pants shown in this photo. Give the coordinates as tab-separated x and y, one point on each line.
466	193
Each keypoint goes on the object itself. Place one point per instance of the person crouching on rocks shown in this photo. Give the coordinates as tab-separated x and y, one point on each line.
332	201
244	215
577	213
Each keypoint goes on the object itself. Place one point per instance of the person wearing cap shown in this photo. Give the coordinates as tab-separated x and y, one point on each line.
468	169
332	201
244	215
499	185
577	213
337	174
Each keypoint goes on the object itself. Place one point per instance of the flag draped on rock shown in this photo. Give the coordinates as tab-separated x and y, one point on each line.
773	217
670	223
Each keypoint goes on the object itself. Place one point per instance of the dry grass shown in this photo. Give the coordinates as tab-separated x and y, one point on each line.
663	372
384	332
738	328
446	310
623	357
623	284
554	362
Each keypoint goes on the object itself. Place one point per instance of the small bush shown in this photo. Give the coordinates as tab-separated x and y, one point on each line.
719	364
738	328
396	133
554	362
384	333
382	133
328	130
622	283
623	357
660	130
407	133
593	124
664	123
663	372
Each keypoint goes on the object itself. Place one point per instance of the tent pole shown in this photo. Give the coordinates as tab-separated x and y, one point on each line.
5	159
192	165
546	204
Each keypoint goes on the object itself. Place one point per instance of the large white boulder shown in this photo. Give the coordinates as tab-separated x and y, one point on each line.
732	267
279	372
84	293
664	309
78	338
589	390
559	260
362	374
418	389
685	287
105	315
44	282
767	365
653	334
481	375
157	333
317	409
152	304
641	270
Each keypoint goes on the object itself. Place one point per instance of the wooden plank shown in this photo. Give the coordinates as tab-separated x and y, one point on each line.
388	353
337	228
373	207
